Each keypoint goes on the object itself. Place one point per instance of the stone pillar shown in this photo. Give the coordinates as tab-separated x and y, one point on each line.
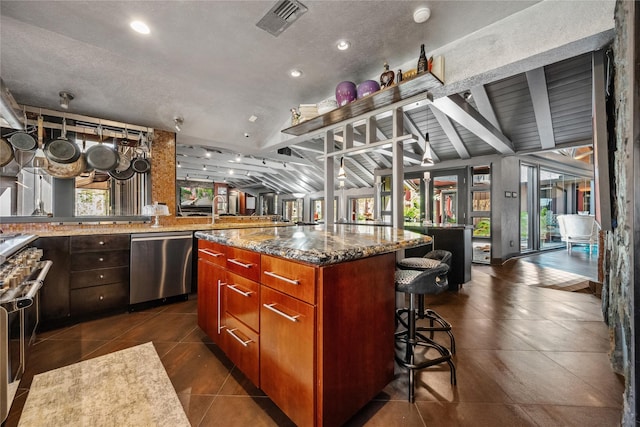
163	171
621	287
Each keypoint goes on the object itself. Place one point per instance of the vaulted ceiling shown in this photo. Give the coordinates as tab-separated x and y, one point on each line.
209	63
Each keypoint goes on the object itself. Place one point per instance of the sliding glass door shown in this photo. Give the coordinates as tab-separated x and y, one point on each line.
545	194
528	207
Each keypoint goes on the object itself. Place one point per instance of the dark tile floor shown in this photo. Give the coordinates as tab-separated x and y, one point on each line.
526	356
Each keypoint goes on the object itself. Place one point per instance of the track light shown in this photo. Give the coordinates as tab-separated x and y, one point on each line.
65	98
178	121
341	173
204	167
179	165
467	96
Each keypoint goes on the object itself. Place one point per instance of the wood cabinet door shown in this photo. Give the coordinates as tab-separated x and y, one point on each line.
287	354
54	294
290	277
242	300
211	282
242	348
97	242
212	252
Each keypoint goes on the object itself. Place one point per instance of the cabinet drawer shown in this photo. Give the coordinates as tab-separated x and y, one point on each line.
210	299
213	252
100	276
242	345
100	242
97	260
292	278
243	300
98	298
287	354
243	262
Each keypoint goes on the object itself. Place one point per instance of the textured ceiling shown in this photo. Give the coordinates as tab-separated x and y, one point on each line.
207	61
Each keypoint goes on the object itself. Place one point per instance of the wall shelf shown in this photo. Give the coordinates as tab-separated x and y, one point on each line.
382	98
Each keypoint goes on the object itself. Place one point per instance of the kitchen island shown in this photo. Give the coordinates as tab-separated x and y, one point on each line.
305	312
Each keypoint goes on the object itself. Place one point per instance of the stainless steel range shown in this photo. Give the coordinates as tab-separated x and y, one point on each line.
22	273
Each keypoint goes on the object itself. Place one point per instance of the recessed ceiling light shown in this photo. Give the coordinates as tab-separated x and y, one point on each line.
295	73
343	45
253	118
140	27
230	171
208	154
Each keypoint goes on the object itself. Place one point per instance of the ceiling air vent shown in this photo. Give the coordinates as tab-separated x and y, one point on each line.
281	16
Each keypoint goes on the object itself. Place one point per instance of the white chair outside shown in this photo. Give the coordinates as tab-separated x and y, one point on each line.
578	229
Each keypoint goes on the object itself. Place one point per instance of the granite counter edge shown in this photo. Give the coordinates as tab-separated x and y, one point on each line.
314	256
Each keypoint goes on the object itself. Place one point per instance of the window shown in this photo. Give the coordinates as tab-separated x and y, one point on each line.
361	209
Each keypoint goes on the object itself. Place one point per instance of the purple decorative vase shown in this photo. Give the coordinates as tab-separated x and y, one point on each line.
367	87
345	93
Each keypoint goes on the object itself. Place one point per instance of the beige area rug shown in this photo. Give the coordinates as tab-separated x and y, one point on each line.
126	388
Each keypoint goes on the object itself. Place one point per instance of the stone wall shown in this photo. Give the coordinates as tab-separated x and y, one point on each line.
618	292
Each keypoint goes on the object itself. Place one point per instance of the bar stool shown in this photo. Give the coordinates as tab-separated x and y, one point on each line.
415	283
428	261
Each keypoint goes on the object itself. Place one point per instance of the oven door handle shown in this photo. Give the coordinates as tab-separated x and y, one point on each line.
37	283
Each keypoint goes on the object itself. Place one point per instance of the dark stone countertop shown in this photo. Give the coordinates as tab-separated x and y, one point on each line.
320	244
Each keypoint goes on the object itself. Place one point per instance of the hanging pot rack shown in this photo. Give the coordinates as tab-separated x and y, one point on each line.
95	126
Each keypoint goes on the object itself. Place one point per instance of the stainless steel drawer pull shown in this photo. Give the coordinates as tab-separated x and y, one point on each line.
220	285
234	288
285	315
208	252
241	264
240	340
284	279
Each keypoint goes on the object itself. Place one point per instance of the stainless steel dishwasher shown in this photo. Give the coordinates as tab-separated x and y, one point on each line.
160	265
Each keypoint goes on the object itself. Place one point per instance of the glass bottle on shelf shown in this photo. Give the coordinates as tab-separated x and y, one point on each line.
387	77
422	61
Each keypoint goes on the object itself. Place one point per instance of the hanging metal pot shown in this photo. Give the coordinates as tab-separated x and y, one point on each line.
66	170
40	158
102	157
23	158
140	165
122	175
123	162
6	152
62	150
23	141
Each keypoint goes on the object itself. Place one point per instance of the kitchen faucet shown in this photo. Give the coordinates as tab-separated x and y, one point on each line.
213	207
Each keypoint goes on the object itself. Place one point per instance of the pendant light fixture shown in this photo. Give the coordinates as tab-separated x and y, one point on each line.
341	173
427	160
